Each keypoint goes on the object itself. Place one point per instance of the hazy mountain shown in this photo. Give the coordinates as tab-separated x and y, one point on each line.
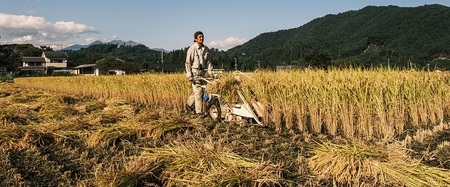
160	50
118	42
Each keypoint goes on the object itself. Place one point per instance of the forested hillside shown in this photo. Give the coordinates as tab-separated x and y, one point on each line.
402	37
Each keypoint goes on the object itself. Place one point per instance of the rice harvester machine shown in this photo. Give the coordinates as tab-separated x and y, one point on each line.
244	111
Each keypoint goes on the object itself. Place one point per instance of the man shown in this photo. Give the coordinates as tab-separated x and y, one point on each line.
198	63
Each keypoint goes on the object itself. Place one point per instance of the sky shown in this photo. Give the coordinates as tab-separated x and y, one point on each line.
168	24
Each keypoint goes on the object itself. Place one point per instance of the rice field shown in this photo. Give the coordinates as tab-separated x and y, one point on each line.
379	104
156	90
376	104
50	139
323	128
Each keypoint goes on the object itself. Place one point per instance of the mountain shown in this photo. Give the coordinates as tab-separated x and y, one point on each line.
160	50
370	36
118	42
76	47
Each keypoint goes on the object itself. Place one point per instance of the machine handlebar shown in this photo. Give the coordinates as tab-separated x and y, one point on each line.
208	80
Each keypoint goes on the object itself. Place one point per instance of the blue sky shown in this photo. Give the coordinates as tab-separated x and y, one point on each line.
168	24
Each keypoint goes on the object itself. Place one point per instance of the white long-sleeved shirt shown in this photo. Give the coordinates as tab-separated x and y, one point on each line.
198	58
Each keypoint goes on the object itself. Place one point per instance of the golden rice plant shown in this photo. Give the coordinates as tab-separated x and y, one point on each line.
157	90
9	137
358	163
423	134
355	103
126	171
193	163
103	136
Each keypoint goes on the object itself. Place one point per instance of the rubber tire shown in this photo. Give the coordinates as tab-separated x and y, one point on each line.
214	111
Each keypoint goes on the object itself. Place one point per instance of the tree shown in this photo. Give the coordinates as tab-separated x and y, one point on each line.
318	60
113	63
11	54
46	48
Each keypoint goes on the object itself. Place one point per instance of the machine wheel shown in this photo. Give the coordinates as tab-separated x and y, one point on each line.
214	110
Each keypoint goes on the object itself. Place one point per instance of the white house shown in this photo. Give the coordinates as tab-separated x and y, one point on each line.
45	64
55	59
91	70
286	67
86	69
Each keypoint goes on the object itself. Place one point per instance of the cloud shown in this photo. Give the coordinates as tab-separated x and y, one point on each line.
23	39
38	31
227	43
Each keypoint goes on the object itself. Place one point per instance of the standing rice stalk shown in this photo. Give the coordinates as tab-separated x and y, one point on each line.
354	103
157	90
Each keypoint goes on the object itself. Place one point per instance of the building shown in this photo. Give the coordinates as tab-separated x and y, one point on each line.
32	66
86	69
92	70
48	62
286	67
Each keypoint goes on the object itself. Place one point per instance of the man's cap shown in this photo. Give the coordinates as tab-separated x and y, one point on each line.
197	33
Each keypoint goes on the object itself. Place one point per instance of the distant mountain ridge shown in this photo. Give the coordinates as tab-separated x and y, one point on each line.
77	47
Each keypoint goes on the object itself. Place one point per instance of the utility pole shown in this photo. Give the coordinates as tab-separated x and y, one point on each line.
236	61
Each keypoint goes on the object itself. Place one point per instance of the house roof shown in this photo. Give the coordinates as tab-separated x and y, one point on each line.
84	66
52	54
33	59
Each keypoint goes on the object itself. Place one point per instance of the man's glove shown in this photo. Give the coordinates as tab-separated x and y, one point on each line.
189	75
